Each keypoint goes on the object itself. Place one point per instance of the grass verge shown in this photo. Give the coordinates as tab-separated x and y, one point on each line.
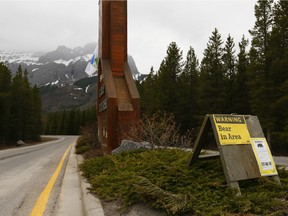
163	179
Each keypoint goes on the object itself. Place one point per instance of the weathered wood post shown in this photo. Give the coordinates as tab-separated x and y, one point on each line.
118	98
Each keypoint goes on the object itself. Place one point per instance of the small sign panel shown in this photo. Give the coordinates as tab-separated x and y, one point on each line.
101	90
103	105
231	129
263	156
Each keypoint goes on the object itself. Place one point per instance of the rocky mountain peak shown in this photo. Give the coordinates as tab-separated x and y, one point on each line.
63	49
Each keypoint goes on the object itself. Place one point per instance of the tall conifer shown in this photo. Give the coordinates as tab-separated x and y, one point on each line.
229	65
278	55
212	83
187	106
261	88
168	76
5	102
241	100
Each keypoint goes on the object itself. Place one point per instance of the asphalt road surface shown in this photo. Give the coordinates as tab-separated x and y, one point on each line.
25	173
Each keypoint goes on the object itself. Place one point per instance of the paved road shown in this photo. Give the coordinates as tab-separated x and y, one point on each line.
282	161
25	172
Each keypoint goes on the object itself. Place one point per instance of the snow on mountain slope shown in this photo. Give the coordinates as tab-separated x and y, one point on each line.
60	67
19	57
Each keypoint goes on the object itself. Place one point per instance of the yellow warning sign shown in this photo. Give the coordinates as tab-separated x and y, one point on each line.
263	156
231	129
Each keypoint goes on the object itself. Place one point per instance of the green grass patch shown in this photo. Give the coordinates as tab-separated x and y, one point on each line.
163	179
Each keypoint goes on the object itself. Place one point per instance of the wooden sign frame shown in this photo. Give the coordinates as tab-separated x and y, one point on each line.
239	160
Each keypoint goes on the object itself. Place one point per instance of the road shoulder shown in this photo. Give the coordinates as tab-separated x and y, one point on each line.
75	199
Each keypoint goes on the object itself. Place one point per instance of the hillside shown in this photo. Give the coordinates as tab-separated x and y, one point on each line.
60	75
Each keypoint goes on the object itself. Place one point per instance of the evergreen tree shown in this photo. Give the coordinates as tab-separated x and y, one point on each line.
211	95
5	102
261	88
278	54
16	130
229	65
68	122
187	106
23	119
241	100
148	94
37	114
27	109
278	44
167	83
229	58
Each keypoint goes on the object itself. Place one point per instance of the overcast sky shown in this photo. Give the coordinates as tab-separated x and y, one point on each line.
43	25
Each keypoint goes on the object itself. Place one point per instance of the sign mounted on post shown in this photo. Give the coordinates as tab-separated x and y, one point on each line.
243	149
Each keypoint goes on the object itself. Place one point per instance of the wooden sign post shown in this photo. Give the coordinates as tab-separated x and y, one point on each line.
118	97
243	149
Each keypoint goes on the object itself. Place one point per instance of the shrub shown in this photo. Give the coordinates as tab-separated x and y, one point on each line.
82	149
160	130
90	135
162	178
88	139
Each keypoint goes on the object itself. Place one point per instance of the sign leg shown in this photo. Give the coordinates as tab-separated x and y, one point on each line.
235	186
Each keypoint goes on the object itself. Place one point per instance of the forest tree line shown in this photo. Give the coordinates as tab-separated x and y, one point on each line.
69	122
20	107
21	114
253	81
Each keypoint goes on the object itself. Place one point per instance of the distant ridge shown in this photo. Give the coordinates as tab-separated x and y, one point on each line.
60	75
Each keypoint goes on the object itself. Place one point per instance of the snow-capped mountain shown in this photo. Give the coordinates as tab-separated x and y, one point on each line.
61	76
19	57
60	67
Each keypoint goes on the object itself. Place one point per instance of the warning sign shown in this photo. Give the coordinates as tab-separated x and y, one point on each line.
231	129
263	155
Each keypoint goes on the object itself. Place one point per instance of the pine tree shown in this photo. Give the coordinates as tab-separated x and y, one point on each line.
278	55
148	94
168	77
211	96
229	65
241	100
278	43
187	106
27	109
5	102
36	117
229	57
261	88
16	130
262	29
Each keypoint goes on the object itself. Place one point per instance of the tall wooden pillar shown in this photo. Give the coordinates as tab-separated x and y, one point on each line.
118	98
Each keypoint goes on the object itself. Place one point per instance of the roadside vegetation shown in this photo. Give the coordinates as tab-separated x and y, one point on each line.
159	129
162	178
88	141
